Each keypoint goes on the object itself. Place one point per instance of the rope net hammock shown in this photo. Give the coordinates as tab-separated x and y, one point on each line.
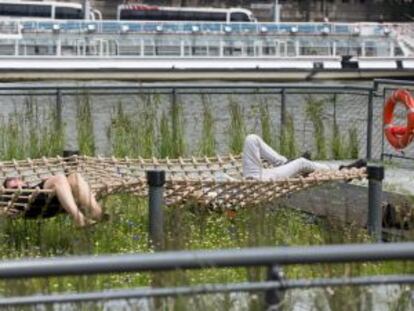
197	180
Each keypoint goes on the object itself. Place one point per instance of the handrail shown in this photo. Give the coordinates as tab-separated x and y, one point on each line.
146	292
265	256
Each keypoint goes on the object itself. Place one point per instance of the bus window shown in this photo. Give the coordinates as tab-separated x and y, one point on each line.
239	17
68	13
25	10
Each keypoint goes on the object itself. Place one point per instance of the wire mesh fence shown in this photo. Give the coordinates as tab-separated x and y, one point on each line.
330	122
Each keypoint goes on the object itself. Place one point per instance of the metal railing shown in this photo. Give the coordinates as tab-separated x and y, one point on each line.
270	257
191	39
273	258
289	99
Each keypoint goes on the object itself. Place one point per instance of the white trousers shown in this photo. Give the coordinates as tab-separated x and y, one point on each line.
255	149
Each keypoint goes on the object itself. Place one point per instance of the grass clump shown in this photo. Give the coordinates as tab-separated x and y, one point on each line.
123	134
237	129
30	132
353	143
208	142
314	111
337	145
266	124
177	128
133	134
287	138
86	139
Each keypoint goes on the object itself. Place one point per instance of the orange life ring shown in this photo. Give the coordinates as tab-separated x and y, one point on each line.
399	136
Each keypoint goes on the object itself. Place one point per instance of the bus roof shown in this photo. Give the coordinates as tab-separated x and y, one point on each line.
55	3
143	7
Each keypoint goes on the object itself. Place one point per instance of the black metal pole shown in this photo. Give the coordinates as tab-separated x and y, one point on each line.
58	110
283	118
375	177
370	124
283	109
274	296
156	181
174	121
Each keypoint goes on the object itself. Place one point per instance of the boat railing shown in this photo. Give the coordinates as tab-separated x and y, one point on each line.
113	26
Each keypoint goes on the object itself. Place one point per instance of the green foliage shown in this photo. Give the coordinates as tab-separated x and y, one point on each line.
353	143
187	227
287	138
267	133
30	132
123	134
337	144
177	128
165	145
314	111
133	134
237	129
208	142
86	139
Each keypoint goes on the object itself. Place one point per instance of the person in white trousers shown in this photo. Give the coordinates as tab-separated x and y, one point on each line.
255	149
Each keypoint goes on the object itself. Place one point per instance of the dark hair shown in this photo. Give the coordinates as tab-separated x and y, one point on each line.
7	180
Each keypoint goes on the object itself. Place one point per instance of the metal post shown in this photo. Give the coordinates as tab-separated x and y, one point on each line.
58	110
86	9
283	117
156	181
370	125
274	297
375	177
174	124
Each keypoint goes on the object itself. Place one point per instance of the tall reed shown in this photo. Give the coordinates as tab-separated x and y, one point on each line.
266	124
86	138
314	110
337	145
147	121
165	142
353	143
237	127
208	142
30	132
287	138
177	127
122	133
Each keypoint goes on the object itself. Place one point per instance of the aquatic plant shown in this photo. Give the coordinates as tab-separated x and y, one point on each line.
337	146
353	143
314	110
177	127
30	132
237	129
86	138
266	125
122	133
208	141
287	138
165	142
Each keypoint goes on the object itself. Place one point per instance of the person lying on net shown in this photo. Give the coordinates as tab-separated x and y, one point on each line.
255	149
72	193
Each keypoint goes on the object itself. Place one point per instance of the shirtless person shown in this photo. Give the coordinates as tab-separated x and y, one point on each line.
70	192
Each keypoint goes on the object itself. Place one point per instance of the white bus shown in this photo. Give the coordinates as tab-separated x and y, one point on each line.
48	10
161	13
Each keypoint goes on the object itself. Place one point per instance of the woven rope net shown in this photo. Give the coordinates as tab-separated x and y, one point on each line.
187	180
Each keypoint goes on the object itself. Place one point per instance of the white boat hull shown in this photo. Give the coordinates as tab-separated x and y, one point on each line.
150	69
